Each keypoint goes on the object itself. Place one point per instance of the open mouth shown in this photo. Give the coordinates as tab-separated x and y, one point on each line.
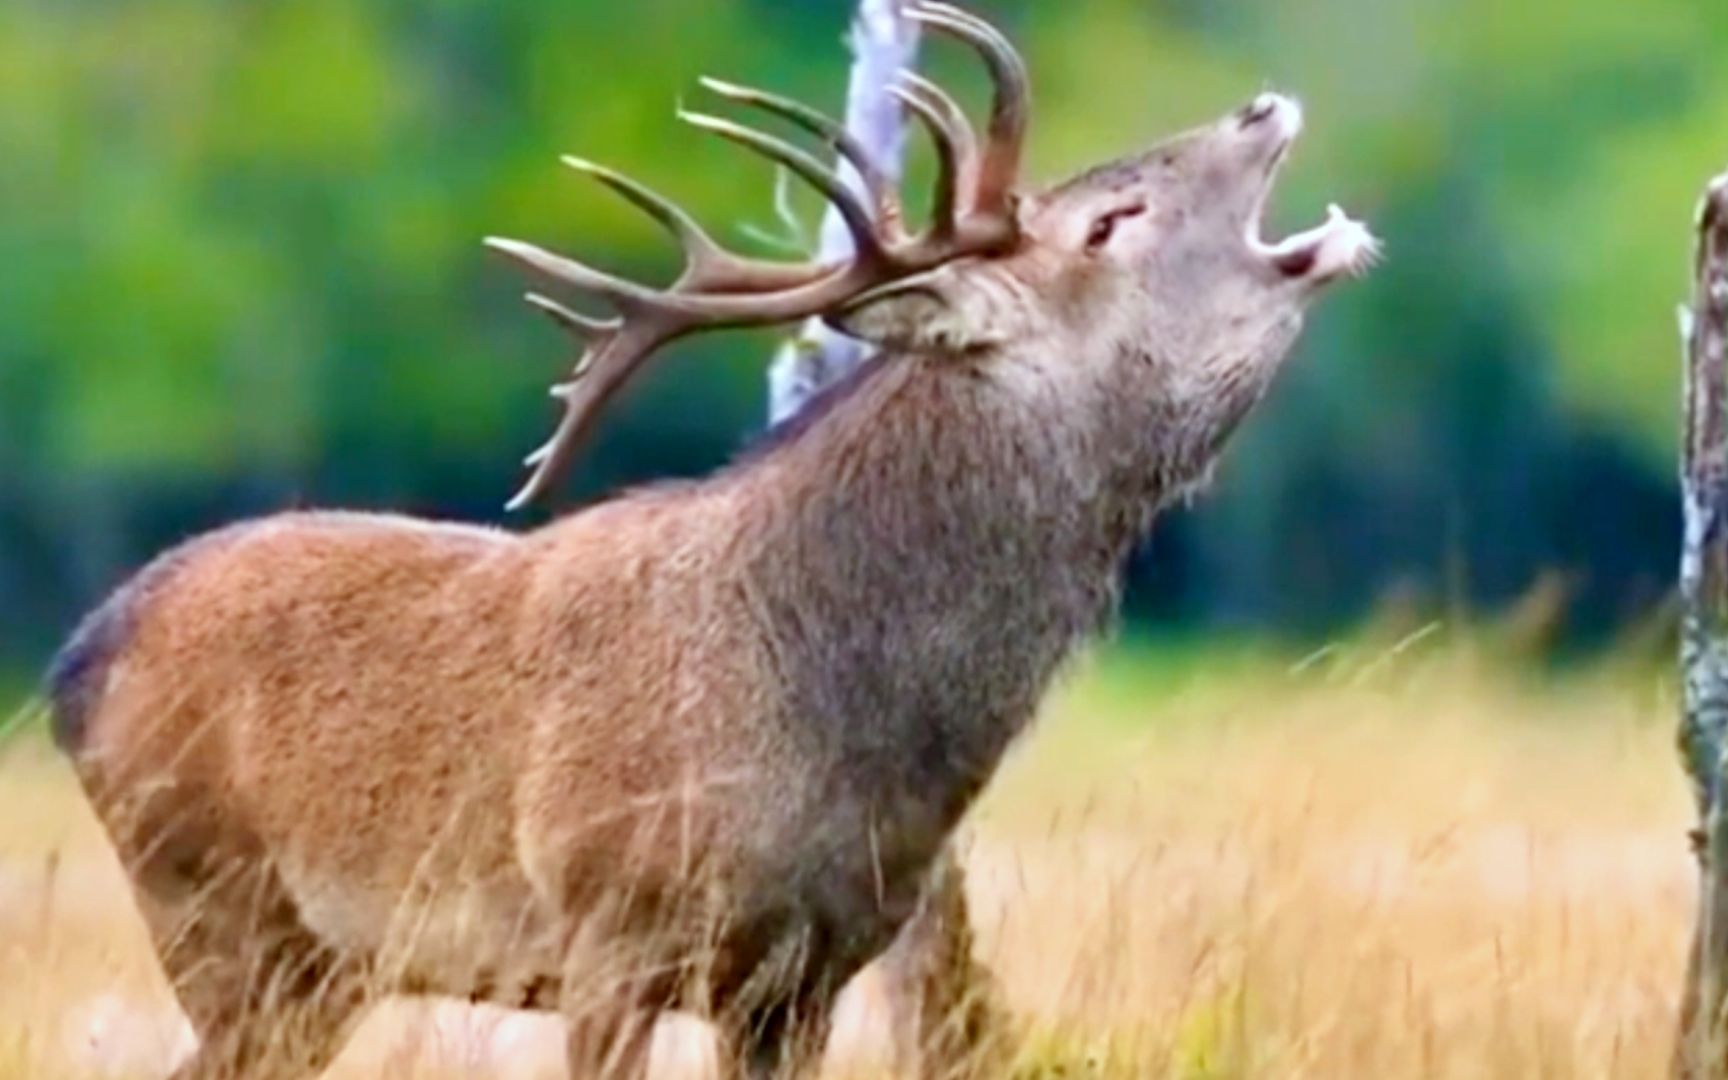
1340	247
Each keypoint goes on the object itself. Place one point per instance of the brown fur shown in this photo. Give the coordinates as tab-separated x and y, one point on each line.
701	742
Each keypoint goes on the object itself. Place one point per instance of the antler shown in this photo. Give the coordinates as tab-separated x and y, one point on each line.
973	214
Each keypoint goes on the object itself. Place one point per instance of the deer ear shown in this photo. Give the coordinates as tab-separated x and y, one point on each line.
929	311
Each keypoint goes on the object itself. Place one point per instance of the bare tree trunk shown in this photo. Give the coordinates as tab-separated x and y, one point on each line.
884	42
1702	1048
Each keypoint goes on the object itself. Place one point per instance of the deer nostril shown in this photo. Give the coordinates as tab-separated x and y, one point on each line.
1260	109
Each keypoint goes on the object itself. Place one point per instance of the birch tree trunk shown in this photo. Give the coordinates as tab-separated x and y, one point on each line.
1702	1049
884	41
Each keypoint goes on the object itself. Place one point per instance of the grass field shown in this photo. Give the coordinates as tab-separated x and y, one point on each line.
1379	862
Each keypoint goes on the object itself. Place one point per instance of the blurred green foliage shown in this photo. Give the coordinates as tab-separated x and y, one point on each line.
242	267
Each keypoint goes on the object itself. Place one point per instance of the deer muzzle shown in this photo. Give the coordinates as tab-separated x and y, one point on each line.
1339	247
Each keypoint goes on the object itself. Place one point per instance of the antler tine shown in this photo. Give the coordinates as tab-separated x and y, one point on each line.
952	138
582	326
680	224
881	193
707	265
1011	110
601	372
627	296
867	243
954	120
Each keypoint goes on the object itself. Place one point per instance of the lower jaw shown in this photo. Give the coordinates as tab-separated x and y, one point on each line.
1341	246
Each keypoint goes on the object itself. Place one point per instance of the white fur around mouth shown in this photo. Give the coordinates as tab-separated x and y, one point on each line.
1283	112
1341	247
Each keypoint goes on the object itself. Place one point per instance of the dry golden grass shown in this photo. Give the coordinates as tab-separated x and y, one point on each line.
1414	865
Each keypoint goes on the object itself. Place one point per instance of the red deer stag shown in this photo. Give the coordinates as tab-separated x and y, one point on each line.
699	745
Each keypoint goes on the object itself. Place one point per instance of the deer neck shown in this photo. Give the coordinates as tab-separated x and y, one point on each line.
935	546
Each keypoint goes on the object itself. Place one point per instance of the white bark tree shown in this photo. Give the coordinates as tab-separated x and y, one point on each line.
1702	1050
884	42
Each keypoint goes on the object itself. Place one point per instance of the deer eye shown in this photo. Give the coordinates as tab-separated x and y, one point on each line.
1105	226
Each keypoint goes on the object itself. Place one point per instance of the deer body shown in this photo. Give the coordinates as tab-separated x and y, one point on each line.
704	742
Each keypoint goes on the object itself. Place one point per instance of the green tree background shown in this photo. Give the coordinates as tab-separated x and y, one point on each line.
242	270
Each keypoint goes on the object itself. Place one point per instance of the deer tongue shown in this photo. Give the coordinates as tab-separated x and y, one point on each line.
1342	246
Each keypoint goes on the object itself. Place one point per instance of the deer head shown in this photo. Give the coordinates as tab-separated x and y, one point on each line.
1157	256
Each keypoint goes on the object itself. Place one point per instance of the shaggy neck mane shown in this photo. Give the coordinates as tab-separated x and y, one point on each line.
926	552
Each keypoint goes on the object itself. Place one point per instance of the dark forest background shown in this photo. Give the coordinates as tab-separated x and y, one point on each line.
241	271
